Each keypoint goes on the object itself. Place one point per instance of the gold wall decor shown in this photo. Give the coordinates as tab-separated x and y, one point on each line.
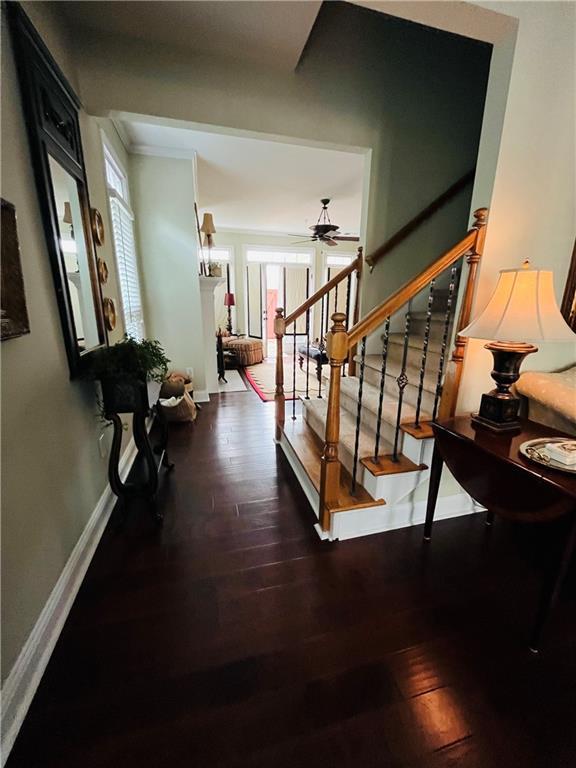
109	313
97	225
102	271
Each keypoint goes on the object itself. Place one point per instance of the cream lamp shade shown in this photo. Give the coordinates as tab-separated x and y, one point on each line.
67	219
208	224
522	308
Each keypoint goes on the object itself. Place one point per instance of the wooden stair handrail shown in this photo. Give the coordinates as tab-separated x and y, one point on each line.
420	218
333	282
402	296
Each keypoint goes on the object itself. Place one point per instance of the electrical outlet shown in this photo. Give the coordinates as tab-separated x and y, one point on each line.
190	373
102	447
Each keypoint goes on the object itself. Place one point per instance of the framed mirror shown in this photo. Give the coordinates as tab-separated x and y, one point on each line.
51	111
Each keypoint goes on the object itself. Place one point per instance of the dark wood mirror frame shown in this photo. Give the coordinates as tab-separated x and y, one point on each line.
568	307
51	110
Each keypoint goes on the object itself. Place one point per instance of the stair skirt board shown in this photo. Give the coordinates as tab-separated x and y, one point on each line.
302	476
396	513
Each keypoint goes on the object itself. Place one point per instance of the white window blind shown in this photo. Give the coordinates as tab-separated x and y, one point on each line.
123	229
124	247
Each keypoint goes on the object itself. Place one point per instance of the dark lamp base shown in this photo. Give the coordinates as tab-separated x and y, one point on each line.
499	408
510	427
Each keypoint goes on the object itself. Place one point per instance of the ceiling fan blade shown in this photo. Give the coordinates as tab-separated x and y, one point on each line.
329	241
308	240
350	238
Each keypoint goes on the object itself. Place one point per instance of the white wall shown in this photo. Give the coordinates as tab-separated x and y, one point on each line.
163	195
533	205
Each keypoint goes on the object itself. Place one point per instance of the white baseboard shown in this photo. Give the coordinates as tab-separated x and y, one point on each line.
364	522
201	396
24	678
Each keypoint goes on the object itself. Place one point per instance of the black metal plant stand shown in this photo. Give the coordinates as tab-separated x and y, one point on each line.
153	458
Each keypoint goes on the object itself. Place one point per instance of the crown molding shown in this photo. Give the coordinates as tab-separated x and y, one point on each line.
261	232
123	134
150	151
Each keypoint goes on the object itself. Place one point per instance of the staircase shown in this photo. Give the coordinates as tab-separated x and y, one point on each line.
362	445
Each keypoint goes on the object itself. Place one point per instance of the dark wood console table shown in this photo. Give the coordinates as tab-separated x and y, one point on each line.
490	468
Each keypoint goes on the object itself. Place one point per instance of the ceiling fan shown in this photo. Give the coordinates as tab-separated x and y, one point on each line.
326	232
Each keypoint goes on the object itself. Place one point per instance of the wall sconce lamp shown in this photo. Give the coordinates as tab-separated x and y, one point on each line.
67	218
523	306
208	229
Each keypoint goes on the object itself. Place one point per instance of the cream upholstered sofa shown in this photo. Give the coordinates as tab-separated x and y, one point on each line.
550	398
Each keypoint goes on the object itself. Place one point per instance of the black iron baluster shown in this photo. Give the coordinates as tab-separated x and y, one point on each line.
327	313
385	338
424	353
294	374
320	349
336	298
308	354
447	318
348	294
358	414
402	381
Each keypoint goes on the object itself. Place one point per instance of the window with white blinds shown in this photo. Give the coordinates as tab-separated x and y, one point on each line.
125	249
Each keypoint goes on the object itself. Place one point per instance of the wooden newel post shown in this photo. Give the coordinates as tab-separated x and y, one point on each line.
356	315
454	374
337	347
279	331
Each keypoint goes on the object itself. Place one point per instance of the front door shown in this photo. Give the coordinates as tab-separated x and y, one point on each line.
270	286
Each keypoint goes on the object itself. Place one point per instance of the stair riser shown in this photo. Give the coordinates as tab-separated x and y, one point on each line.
368	419
413	358
349	402
345	456
410	391
418	328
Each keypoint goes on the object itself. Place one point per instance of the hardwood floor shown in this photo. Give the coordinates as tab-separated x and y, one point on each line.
233	637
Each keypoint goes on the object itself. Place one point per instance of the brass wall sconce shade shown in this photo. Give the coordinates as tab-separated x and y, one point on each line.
523	306
67	218
208	229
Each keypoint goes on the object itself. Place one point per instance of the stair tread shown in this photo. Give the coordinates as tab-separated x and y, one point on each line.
370	398
348	430
393	368
416	341
438	316
308	448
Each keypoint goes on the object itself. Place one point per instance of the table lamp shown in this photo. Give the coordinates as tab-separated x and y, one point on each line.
229	302
523	306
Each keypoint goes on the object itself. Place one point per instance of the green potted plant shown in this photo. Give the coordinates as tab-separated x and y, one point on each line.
125	370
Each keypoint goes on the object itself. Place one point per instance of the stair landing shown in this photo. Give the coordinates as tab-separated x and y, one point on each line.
308	448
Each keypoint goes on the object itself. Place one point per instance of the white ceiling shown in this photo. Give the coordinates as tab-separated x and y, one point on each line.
269	33
268	186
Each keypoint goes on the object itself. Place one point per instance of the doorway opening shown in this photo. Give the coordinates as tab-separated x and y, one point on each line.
277	278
